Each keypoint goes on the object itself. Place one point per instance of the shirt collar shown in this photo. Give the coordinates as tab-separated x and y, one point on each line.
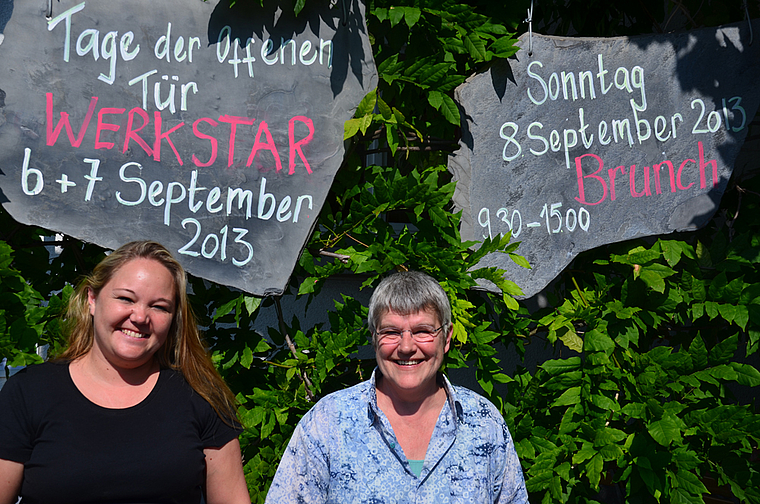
373	410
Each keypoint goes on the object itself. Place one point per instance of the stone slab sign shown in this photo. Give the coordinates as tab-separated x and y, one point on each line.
585	142
214	129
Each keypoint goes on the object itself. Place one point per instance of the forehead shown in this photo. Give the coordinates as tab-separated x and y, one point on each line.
143	271
421	317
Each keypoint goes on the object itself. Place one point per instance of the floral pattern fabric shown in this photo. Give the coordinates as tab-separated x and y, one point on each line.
343	451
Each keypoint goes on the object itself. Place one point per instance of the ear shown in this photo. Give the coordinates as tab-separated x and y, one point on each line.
448	338
91	298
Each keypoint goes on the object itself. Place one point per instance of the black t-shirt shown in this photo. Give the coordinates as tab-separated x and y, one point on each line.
75	451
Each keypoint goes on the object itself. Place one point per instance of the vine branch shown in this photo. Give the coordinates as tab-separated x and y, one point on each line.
301	374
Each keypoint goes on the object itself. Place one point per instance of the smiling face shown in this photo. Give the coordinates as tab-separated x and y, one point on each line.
409	368
133	313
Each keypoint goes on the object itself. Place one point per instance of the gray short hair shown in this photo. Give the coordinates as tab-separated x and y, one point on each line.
407	293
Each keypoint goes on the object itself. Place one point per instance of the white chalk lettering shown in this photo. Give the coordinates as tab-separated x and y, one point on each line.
565	83
26	171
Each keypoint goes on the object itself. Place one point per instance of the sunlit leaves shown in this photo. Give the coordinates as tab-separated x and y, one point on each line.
26	319
661	337
645	338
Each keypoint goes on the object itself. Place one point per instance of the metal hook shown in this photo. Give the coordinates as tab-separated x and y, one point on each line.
49	14
749	21
529	20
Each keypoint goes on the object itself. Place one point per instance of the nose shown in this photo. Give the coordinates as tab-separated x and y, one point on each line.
407	343
139	314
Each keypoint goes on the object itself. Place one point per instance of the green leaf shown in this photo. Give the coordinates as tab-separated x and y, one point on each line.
608	435
594	470
595	341
545	446
396	14
568	397
268	427
723	351
262	346
351	128
682	496
282	415
665	431
586	452
252	303
723	372
227	308
367	105
698	352
475	46
686	459
754	341
559	366
411	16
540	481
380	14
435	99
741	316
603	402
571	340
746	374
703	256
450	110
364	123
511	302
727	311
385	110
503	47
307	285
525	449
247	358
611	452
671	251
698	290
690	482
520	261
556	488
298	6
634	410
711	308
718	287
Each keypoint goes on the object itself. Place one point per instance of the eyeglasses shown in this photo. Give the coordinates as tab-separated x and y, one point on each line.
420	334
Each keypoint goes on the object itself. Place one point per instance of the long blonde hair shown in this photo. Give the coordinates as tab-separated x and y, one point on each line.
183	350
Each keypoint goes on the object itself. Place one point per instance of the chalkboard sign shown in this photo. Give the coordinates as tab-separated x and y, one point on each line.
214	129
586	141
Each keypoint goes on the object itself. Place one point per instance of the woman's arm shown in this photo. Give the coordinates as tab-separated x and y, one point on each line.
225	483
11	474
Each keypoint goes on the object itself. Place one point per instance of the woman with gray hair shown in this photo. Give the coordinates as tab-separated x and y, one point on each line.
406	434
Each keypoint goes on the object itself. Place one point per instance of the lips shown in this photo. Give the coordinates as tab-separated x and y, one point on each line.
134	334
408	362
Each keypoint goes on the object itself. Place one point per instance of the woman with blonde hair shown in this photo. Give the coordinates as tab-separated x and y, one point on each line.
133	410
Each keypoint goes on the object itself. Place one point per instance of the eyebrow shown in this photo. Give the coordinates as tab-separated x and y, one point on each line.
126	289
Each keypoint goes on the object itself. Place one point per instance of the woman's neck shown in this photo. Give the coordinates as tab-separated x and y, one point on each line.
112	387
412	417
100	370
410	403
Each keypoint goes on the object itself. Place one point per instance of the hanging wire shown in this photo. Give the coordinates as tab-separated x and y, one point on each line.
749	21
49	13
529	20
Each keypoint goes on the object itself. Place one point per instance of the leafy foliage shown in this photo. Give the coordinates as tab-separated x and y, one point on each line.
647	403
647	391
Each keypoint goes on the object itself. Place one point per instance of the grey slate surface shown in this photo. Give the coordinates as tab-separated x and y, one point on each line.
538	148
259	77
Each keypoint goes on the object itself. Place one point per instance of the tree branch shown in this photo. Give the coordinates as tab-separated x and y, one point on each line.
301	374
